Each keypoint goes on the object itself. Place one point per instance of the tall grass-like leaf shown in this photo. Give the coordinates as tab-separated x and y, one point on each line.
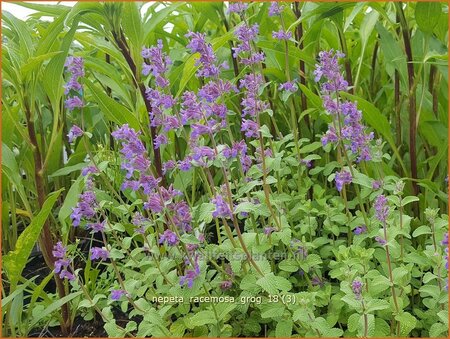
113	110
14	262
12	171
54	306
427	15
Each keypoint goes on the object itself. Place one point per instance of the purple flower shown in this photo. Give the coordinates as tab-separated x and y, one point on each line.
342	178
97	226
75	66
65	274
377	184
73	102
237	7
316	281
168	165
282	35
63	263
99	253
207	60
275	9
158	62
268	230
191	108
160	140
250	128
357	288
307	163
190	275
154	203
215	89
288	86
245	34
381	208
117	294
380	240
222	208
84	208
328	68
226	285
59	250
444	241
171	123
185	165
89	170
169	237
360	230
182	216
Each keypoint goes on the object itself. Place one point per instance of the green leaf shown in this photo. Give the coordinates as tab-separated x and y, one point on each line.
131	23
70	201
53	307
353	321
424	229
273	284
376	305
409	199
67	170
427	15
377	121
14	262
284	328
200	318
113	110
11	169
407	323
53	71
288	265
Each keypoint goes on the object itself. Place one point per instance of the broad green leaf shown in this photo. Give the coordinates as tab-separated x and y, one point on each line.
407	323
284	328
273	284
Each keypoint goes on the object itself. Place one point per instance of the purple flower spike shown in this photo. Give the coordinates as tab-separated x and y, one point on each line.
237	7
342	178
289	86
190	275
99	253
357	288
360	230
281	35
74	133
222	209
275	9
169	237
381	208
380	240
73	102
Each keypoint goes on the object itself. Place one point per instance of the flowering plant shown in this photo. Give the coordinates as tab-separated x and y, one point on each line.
231	179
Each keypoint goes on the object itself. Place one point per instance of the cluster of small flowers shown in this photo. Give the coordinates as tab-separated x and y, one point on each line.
342	178
228	283
62	263
156	62
352	133
246	35
75	65
237	7
445	243
357	286
381	208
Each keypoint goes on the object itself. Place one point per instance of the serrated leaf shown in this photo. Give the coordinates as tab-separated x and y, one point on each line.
273	284
284	328
407	323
